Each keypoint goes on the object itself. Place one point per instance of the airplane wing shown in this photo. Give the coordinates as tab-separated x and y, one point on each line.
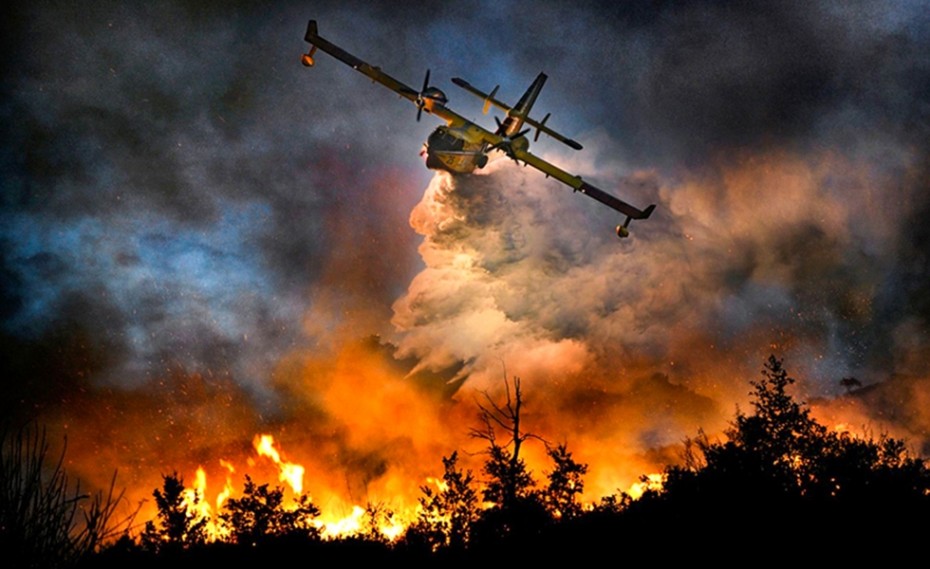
374	73
430	99
580	185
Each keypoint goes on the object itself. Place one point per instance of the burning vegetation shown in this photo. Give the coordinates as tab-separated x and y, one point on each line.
775	467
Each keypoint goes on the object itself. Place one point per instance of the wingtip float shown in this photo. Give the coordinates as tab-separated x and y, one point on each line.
460	146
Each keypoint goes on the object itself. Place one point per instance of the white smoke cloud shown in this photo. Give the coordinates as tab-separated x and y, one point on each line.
760	255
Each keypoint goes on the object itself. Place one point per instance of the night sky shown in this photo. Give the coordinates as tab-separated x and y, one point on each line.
185	204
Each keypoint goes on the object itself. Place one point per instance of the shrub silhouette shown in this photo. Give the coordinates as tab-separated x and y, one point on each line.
516	514
779	467
566	484
45	519
377	517
180	525
259	516
446	515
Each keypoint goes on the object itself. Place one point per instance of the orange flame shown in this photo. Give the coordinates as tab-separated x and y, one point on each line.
290	473
653	481
228	489
359	520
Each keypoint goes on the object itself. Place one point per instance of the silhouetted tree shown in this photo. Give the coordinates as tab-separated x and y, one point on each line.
780	436
508	480
781	464
517	514
507	477
181	525
763	466
260	515
446	515
566	484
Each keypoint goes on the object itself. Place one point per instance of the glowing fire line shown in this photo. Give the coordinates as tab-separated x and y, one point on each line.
358	521
195	498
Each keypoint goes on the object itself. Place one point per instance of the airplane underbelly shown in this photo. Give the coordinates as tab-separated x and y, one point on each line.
458	164
445	151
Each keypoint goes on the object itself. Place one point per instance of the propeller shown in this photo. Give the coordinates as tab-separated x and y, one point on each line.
500	126
506	143
420	101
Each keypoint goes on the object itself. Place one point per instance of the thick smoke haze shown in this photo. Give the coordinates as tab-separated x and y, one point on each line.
202	240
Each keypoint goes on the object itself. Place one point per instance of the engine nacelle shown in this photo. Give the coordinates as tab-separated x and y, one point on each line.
307	58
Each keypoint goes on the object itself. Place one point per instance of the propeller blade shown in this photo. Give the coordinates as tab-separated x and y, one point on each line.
420	101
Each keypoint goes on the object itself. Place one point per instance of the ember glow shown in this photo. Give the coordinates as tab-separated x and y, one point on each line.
219	264
652	481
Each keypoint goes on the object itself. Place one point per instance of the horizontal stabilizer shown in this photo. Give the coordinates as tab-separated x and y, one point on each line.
540	126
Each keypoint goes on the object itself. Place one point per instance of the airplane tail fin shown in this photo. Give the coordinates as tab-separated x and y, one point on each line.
522	109
517	115
540	126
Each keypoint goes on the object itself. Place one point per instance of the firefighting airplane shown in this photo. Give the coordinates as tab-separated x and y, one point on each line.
462	146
